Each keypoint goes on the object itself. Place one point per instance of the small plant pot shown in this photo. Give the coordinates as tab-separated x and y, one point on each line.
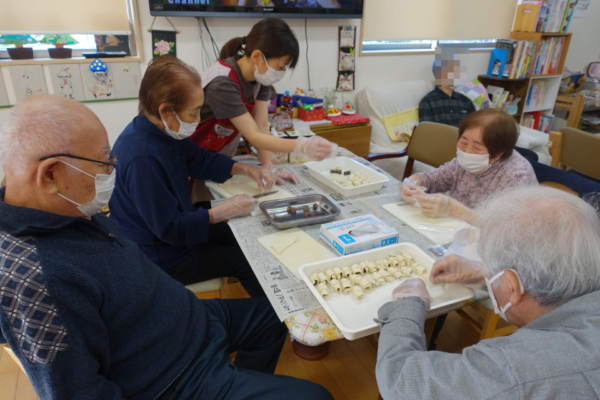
20	53
60	52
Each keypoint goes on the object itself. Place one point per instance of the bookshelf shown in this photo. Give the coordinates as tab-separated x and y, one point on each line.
538	37
518	87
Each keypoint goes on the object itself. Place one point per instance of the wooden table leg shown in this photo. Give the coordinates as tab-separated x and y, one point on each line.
310	353
429	325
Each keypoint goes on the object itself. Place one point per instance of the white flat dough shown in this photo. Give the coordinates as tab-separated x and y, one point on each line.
284	244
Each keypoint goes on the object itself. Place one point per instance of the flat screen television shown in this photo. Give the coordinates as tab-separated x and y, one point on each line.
258	8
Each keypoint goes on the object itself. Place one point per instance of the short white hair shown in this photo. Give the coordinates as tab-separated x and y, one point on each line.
550	237
35	128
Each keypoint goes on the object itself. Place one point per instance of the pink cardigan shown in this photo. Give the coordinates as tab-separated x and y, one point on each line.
472	189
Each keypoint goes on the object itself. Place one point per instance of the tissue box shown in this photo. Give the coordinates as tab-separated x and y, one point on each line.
358	234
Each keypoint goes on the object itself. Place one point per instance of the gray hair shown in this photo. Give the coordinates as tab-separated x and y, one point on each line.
551	238
36	127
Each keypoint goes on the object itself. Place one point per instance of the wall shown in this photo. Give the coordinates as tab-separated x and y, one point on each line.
323	43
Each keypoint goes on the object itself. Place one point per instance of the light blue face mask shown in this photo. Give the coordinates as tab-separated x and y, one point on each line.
186	129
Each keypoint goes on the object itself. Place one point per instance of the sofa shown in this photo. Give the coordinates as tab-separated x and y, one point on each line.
377	102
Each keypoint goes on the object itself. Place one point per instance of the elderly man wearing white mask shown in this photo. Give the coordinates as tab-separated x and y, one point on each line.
86	312
541	262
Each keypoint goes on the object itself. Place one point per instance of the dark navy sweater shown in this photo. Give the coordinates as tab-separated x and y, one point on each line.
85	311
152	202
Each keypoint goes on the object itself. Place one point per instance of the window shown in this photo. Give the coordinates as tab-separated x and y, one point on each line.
400	46
86	42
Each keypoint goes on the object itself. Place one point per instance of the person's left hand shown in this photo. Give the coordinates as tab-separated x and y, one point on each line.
264	178
413	287
283	173
435	205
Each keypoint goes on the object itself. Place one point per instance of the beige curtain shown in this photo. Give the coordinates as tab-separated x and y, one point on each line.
64	16
437	19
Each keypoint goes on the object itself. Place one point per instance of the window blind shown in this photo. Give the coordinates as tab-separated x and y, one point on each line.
437	19
64	17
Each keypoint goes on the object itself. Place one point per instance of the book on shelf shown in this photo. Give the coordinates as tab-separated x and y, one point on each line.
495	94
527	16
555	16
549	53
537	91
497	62
510	46
538	121
546	123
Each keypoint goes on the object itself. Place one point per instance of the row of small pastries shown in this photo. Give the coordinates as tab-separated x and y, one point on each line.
360	279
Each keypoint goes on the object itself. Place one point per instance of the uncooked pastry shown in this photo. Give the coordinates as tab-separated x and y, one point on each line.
346	285
386	275
365	285
346	272
330	274
338	273
322	287
379	278
323	278
314	278
356	269
357	292
284	244
335	285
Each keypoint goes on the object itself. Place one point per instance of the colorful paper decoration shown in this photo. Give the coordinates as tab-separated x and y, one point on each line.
98	66
18	40
58	39
163	43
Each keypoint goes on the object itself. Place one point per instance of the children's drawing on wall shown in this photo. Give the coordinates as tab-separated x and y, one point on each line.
28	81
66	81
346	60
127	78
345	81
98	80
3	95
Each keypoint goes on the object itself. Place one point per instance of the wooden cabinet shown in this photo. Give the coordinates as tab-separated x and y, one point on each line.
356	138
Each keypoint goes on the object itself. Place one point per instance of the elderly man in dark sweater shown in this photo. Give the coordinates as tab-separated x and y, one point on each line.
85	311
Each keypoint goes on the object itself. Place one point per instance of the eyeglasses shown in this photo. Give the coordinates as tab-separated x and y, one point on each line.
112	161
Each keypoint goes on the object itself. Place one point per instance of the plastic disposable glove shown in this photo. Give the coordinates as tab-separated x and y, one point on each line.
315	147
413	287
264	178
456	269
237	206
435	205
408	189
284	173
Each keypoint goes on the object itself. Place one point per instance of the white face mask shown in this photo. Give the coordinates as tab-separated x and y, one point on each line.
270	77
186	129
473	163
105	184
488	282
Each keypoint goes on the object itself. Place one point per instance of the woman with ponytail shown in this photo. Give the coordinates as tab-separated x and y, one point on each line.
237	90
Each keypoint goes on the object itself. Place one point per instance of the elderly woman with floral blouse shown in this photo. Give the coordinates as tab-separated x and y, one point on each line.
485	164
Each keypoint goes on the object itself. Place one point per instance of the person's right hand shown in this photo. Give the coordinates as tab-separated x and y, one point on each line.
237	206
413	287
408	189
456	269
315	147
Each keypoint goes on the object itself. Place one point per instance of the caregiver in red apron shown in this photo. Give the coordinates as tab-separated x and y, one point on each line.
237	90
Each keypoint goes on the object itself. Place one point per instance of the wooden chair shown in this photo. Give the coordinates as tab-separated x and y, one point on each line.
208	289
574	105
488	328
431	143
575	149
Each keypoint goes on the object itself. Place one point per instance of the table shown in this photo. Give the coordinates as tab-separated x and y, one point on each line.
356	138
308	323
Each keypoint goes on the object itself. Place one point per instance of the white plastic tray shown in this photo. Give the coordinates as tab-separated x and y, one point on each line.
321	171
354	318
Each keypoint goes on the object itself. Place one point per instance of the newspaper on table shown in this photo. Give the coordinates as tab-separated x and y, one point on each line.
289	295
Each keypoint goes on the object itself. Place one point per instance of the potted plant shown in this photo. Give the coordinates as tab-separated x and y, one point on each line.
18	52
59	42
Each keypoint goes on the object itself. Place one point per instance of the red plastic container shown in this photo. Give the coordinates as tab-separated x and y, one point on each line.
317	114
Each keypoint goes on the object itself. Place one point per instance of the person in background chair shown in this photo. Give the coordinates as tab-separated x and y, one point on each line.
86	312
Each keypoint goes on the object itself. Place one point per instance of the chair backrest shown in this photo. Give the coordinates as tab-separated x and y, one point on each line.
433	144
581	151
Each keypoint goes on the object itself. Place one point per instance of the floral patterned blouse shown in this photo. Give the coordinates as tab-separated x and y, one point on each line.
471	189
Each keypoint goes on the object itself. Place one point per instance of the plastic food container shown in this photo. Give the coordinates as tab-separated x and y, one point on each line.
277	213
354	317
320	170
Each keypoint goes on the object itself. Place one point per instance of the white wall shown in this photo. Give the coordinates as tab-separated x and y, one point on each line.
323	53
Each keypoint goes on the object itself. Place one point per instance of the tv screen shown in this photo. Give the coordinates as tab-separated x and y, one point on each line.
258	8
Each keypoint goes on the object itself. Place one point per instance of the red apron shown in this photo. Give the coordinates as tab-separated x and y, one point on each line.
214	134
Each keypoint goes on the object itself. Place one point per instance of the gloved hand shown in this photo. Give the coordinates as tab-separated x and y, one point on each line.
408	189
456	269
237	206
284	173
435	205
413	287
262	176
314	147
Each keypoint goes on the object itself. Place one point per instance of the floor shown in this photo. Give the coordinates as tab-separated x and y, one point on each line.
13	382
